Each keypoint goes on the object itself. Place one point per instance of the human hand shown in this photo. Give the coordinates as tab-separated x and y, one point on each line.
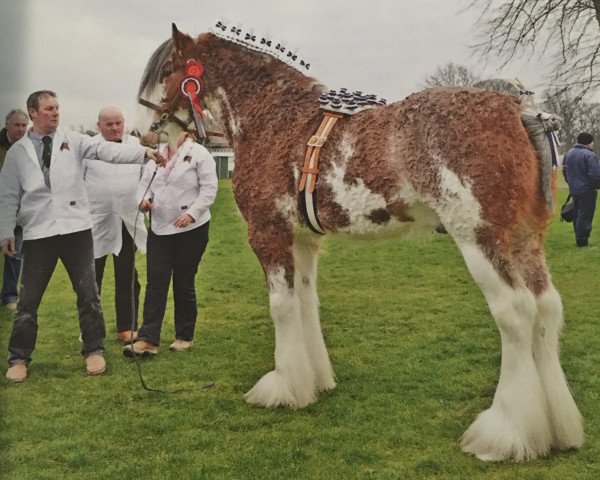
150	139
146	205
157	157
8	246
183	220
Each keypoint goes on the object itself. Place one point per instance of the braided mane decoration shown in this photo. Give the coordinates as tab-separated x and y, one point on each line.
260	44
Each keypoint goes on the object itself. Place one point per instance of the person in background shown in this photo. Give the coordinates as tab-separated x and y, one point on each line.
112	192
42	189
178	198
16	126
581	170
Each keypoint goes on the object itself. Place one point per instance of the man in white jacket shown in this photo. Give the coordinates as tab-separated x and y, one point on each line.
111	191
42	189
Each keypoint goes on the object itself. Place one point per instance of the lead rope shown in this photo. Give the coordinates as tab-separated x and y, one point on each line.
136	359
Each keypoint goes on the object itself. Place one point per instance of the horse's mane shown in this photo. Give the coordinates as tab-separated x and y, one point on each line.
264	44
152	73
239	60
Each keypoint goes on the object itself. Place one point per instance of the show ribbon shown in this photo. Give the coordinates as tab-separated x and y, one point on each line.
193	87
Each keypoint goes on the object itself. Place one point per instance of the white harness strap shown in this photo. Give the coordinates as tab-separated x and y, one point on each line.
310	170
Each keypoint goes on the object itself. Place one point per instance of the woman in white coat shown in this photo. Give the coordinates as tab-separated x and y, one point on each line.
178	198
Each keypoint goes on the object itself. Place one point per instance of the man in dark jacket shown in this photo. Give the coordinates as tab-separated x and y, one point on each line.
581	169
16	125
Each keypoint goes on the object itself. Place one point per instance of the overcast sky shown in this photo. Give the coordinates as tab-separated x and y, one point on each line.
93	52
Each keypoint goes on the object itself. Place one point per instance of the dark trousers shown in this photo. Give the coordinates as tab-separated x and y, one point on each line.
585	207
40	257
12	267
127	285
178	255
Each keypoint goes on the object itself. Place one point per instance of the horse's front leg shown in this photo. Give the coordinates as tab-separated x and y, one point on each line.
292	382
306	247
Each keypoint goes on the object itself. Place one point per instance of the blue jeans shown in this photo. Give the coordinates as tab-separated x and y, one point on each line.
12	267
40	257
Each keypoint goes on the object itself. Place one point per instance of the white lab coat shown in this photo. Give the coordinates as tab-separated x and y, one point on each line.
112	192
64	208
190	187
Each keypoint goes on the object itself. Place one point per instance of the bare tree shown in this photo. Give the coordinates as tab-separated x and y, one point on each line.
451	74
561	102
567	29
578	116
589	121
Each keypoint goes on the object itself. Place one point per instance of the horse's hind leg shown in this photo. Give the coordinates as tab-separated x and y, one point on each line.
565	418
305	284
517	425
292	382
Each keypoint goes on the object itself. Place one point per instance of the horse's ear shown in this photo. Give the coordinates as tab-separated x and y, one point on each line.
181	41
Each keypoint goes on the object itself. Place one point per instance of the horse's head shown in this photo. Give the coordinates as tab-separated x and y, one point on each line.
172	90
229	79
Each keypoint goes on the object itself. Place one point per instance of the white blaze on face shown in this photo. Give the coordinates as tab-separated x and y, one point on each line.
144	116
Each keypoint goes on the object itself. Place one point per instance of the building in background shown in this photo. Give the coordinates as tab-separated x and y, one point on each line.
223	155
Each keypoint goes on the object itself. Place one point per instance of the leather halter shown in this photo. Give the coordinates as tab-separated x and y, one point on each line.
165	114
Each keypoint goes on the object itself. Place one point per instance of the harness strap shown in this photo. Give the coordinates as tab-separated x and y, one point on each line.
310	170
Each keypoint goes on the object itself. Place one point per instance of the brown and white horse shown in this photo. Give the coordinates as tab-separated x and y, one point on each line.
456	156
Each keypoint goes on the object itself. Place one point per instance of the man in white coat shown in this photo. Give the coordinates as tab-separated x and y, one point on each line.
112	194
42	189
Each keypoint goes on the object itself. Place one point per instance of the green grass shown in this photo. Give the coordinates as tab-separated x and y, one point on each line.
414	348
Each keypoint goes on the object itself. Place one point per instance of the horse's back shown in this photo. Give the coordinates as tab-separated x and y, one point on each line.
445	149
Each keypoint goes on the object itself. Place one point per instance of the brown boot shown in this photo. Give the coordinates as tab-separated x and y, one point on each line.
127	336
95	365
17	373
141	348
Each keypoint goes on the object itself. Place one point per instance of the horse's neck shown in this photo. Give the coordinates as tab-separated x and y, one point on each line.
246	102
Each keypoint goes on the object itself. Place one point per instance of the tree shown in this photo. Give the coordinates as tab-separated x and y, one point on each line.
577	116
451	74
590	119
567	29
561	102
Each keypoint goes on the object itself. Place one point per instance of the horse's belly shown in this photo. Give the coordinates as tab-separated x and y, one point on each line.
357	209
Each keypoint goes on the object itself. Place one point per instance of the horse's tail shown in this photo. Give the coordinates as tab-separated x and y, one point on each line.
540	127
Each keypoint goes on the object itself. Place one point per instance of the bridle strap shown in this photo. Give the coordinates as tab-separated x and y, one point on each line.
166	116
166	113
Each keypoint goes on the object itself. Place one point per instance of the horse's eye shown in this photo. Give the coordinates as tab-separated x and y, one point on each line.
166	73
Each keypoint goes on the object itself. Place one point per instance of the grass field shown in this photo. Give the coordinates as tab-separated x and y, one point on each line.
414	348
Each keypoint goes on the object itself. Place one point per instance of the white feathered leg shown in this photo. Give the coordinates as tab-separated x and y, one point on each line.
305	285
517	425
292	383
565	418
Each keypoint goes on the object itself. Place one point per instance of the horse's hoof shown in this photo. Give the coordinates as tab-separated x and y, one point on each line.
492	437
272	390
